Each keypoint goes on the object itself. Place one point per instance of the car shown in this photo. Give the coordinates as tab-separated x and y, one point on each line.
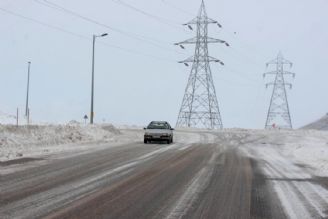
159	131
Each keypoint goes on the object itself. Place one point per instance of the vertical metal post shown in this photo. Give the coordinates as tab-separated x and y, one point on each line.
17	114
93	74
28	116
28	88
92	79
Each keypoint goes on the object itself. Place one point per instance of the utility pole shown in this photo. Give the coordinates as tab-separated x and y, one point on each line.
93	75
278	113
200	108
27	113
17	117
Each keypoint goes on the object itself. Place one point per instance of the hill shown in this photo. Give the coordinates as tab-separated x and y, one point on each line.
321	124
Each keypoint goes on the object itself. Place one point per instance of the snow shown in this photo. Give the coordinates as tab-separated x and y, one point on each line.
6	118
40	141
307	148
291	160
33	140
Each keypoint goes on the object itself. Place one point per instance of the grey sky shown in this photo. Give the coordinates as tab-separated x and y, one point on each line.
143	81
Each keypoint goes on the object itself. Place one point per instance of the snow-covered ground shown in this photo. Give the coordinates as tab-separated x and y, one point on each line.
6	118
293	162
38	140
296	166
306	148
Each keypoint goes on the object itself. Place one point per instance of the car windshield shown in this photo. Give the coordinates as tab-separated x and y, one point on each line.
157	125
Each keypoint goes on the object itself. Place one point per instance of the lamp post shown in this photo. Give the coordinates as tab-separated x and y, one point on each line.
93	74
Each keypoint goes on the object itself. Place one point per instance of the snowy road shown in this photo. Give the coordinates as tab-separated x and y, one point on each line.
228	174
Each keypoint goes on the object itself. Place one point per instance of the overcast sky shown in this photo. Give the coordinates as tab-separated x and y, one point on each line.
138	78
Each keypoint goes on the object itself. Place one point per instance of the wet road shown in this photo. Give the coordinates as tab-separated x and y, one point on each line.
206	176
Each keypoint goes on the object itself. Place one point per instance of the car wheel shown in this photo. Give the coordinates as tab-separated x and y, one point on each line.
145	141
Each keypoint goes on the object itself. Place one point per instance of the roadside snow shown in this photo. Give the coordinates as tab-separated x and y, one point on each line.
307	148
6	118
291	162
18	142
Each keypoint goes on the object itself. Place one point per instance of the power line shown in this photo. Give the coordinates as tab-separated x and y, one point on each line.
225	30
177	8
248	46
44	24
73	13
132	7
241	76
236	52
234	82
59	29
154	17
154	42
135	52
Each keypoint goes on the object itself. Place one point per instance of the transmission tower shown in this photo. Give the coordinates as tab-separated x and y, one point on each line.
200	108
278	114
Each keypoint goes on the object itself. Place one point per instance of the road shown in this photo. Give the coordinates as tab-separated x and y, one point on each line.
201	175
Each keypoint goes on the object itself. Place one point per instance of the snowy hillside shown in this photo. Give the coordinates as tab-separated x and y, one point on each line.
321	124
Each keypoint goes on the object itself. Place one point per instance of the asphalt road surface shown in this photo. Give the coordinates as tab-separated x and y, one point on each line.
201	175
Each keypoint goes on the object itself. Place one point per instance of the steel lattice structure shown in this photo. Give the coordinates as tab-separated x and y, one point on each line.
278	113
200	108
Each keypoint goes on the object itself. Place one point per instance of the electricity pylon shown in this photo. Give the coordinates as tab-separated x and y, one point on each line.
200	108
278	114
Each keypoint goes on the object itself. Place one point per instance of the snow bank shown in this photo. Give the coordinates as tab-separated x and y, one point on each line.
16	141
7	118
307	148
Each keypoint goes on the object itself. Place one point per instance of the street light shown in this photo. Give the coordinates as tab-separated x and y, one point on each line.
93	74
